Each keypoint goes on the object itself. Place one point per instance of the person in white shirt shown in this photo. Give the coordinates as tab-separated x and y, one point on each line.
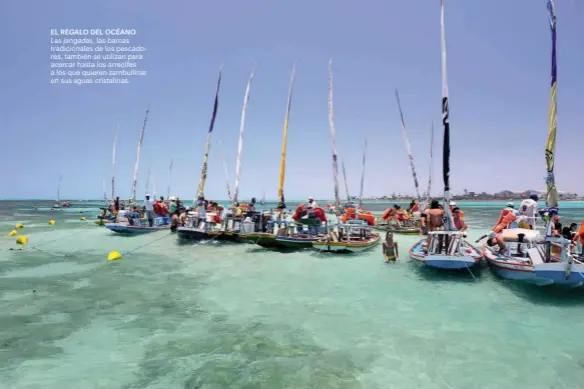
311	203
149	206
528	208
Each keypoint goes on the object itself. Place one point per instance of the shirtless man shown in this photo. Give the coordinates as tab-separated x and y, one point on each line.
494	239
435	222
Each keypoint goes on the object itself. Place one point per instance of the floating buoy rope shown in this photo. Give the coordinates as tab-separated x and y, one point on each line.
23	239
116	255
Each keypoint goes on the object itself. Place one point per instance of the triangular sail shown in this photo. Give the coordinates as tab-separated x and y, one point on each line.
408	147
446	124
240	144
114	163
201	190
281	200
550	146
263	200
333	138
137	165
362	175
104	193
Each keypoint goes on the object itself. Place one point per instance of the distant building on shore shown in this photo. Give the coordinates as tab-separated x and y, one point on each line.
483	196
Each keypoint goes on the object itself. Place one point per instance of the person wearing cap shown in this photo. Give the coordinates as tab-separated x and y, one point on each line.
452	206
494	239
149	207
510	208
528	208
311	203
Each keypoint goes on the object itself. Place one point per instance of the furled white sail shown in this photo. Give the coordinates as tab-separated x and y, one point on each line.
137	165
333	139
240	144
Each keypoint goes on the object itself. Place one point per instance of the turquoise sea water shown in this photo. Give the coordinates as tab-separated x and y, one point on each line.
215	315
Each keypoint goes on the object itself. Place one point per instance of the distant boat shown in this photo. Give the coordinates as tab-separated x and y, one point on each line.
58	201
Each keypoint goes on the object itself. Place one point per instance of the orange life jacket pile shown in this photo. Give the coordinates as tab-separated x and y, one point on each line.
301	211
351	214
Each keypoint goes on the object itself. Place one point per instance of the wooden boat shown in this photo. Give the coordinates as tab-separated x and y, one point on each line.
203	229
458	254
353	236
536	262
267	236
139	226
302	234
230	229
447	249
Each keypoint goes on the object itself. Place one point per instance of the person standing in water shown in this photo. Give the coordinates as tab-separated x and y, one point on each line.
390	248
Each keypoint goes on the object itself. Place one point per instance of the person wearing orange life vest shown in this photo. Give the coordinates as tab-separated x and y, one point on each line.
388	214
299	213
504	223
579	236
320	214
400	215
160	207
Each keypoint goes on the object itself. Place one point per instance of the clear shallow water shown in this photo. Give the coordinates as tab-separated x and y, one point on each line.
235	316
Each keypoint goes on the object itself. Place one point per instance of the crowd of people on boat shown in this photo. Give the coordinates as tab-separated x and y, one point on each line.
524	218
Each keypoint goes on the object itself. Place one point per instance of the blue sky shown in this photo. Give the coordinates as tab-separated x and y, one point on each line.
498	71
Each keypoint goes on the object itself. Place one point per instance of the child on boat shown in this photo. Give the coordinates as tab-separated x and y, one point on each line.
390	248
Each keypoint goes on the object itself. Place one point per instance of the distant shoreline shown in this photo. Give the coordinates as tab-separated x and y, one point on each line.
468	200
404	200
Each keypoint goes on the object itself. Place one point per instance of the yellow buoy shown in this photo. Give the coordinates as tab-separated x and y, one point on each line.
22	240
51	222
114	256
12	233
83	218
19	225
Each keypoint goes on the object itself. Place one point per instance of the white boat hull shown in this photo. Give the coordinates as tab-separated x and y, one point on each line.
540	274
466	258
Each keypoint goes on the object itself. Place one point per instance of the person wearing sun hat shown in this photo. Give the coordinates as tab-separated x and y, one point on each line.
311	202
